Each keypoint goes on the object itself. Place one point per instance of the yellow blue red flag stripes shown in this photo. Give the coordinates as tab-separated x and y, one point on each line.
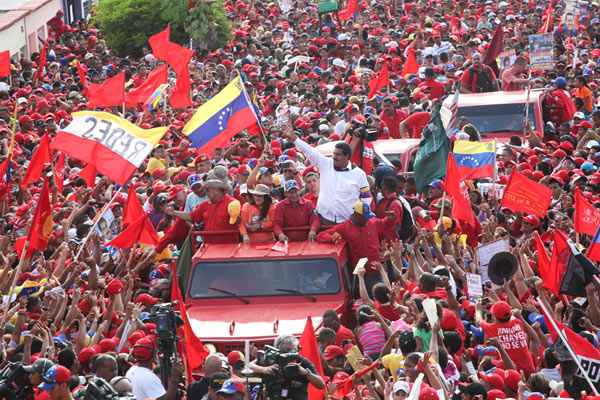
115	146
222	117
475	159
155	98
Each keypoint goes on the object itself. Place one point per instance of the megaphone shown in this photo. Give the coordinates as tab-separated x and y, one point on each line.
502	267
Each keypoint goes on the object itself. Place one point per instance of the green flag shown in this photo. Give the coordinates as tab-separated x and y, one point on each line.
432	155
184	263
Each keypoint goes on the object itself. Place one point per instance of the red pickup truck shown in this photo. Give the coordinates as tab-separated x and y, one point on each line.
250	291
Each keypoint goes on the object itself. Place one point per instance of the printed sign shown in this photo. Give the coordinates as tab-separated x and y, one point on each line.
541	49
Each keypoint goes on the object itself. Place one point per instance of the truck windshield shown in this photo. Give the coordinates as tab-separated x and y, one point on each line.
275	277
497	118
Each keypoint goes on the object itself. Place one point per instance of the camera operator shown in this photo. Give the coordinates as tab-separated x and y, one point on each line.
145	383
364	160
294	388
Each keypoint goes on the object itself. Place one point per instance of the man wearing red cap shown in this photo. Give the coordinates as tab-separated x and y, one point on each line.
511	332
144	381
392	117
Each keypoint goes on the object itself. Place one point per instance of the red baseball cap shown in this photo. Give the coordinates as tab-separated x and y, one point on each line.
332	352
533	220
146	299
174	191
144	348
501	310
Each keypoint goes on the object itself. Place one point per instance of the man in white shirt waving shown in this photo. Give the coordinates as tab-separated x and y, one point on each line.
341	184
145	383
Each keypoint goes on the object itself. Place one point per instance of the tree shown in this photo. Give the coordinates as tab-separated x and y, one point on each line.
127	24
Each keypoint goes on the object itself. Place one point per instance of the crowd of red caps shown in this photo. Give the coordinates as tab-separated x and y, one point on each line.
313	70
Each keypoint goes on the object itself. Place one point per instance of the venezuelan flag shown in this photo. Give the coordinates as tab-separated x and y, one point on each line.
155	98
221	118
475	159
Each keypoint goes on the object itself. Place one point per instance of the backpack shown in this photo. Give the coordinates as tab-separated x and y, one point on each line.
484	82
406	227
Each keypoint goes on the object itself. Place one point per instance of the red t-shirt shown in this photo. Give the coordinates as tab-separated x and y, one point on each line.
514	341
342	334
388	312
416	122
436	89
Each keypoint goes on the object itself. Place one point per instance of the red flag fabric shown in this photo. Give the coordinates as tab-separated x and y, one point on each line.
455	25
180	97
36	165
523	194
569	271
88	174
543	259
42	63
593	252
588	354
351	9
83	78
587	217
310	351
142	92
160	44
381	81
59	173
411	66
141	231
456	186
41	224
4	63
133	208
345	386
494	49
195	351
107	94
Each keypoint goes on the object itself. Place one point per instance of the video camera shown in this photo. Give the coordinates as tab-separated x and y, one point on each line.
14	382
99	389
363	130
167	321
271	355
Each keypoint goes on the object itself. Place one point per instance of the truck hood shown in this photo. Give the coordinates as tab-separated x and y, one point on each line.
255	322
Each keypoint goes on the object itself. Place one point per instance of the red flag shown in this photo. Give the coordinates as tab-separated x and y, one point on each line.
569	271
411	66
88	174
543	259
523	194
41	224
141	231
109	93
59	172
38	160
345	386
587	217
456	186
142	92
133	208
455	25
593	252
194	350
83	78
4	63
588	354
310	351
382	80
494	49
351	9
180	97
160	44
42	64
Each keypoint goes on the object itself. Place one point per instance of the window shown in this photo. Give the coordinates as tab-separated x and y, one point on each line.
499	118
278	277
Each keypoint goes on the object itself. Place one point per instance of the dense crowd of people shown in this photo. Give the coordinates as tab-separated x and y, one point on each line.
67	316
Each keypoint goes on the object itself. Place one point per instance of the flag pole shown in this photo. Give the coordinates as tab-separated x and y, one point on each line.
577	238
527	107
564	339
495	170
95	225
16	273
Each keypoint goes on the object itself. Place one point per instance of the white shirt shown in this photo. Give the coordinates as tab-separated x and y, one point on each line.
145	383
339	189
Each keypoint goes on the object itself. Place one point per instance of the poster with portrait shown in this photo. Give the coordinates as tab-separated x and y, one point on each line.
108	227
507	59
572	11
541	50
